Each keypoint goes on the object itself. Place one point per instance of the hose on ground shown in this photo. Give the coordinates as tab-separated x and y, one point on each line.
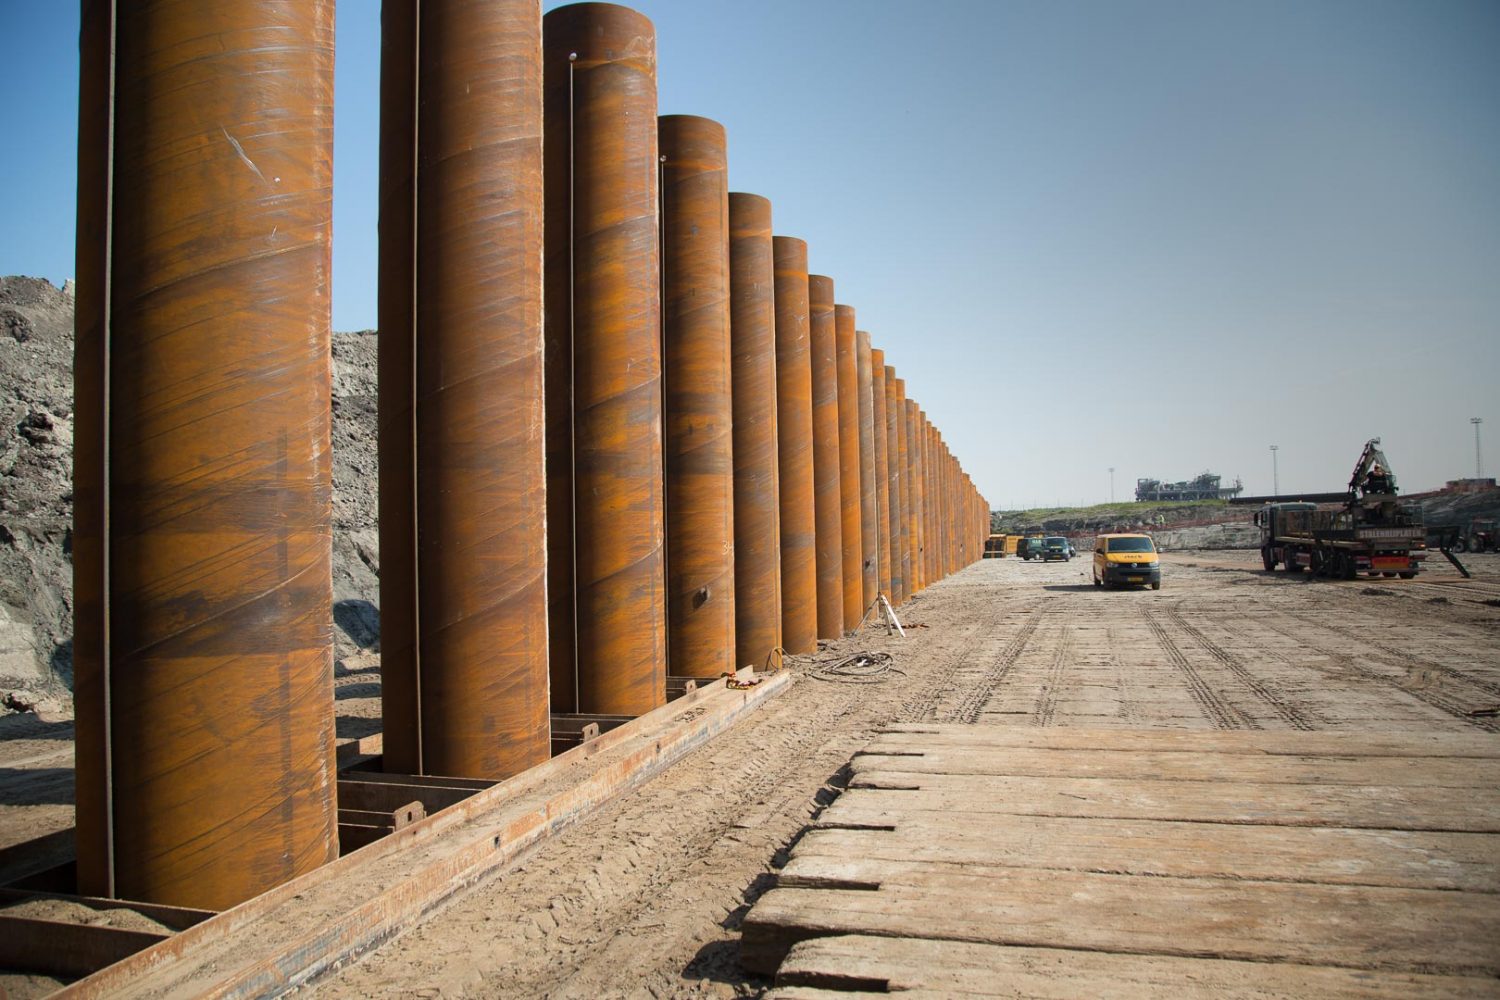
860	668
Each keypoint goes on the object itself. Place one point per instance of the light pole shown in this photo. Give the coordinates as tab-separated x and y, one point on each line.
1111	484
1275	474
1476	422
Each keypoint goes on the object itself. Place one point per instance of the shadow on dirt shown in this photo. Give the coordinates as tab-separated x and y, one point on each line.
42	786
25	726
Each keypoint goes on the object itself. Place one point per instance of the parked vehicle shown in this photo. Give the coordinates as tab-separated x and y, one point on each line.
1126	559
1056	547
1370	532
1029	547
1481	536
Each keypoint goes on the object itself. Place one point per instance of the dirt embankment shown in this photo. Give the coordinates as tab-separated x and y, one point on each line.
36	494
36	488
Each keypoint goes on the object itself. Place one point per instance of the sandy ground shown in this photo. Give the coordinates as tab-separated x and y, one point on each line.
645	898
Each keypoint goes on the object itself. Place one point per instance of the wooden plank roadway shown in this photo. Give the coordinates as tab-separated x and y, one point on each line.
979	861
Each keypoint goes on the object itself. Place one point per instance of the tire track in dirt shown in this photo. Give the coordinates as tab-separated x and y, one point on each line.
973	702
1397	657
1046	702
923	707
1130	707
1432	697
1221	713
1284	710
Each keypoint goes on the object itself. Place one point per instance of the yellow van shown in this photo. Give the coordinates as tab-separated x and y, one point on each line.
1126	559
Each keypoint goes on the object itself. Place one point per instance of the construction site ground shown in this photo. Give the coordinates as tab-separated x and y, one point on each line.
646	898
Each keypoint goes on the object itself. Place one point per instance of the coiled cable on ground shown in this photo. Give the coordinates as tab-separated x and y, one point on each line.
861	668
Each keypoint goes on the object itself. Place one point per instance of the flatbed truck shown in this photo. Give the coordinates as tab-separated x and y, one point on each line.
1372	531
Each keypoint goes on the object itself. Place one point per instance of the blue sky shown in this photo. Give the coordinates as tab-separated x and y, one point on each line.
1159	236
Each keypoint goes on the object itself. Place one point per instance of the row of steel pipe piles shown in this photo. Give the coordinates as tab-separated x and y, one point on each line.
688	462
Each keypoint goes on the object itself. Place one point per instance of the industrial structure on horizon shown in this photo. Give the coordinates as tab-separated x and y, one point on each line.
1204	486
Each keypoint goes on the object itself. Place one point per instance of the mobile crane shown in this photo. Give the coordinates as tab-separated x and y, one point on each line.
1372	531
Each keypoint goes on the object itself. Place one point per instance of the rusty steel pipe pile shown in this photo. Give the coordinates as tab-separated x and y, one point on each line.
462	532
893	488
202	535
689	458
903	502
604	393
918	494
881	471
699	463
827	458
757	519
869	563
794	429
847	349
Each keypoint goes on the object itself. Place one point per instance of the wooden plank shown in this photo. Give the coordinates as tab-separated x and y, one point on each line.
1409	807
1384	744
924	969
1355	927
55	948
1157	765
1415	860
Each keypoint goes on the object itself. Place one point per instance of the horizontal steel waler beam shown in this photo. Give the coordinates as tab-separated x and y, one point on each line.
285	937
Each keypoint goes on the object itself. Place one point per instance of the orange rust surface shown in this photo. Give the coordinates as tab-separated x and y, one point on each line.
698	414
882	471
893	487
464	639
757	518
915	515
603	323
929	489
849	478
827	495
794	429
903	503
204	645
869	574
